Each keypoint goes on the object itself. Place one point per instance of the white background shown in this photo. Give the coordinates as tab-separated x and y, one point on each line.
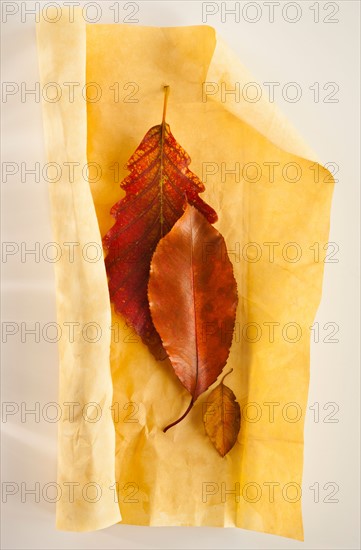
304	52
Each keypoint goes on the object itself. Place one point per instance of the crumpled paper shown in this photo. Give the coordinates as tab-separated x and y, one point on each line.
115	463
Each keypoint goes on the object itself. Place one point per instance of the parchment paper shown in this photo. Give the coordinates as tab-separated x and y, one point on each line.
178	478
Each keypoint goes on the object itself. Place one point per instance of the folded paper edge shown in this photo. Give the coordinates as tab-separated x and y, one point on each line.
262	115
64	145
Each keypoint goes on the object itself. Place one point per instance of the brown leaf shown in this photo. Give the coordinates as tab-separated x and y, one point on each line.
193	300
157	190
222	419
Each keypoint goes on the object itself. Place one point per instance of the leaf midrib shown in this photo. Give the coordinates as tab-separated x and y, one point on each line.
162	140
194	312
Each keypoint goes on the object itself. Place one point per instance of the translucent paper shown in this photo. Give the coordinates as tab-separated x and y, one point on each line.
270	213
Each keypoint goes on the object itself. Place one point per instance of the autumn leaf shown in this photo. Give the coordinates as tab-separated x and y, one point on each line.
193	300
156	192
222	419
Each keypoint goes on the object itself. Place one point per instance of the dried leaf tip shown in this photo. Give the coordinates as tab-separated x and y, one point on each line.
166	94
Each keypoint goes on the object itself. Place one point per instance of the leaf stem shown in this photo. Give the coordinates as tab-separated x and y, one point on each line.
181	418
227	373
166	94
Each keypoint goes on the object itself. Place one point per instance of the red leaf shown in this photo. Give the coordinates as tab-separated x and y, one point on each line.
222	419
193	300
157	190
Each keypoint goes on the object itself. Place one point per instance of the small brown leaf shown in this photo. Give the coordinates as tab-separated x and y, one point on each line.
193	300
222	419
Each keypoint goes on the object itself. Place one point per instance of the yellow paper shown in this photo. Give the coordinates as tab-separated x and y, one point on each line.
178	478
